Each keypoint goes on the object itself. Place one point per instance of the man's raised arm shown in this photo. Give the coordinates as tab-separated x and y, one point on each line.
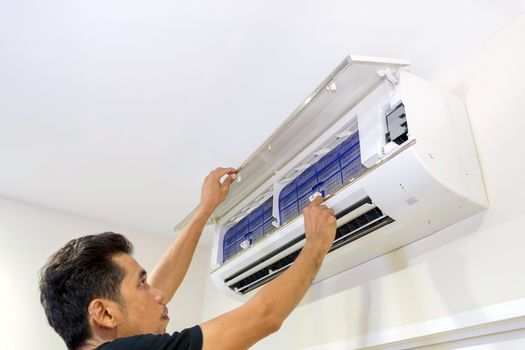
264	313
171	269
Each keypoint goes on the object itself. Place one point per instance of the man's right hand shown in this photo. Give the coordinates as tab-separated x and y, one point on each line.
320	224
214	191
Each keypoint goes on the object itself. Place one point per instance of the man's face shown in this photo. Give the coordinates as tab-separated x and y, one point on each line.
143	310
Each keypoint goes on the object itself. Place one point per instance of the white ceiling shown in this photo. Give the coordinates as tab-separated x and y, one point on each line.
115	110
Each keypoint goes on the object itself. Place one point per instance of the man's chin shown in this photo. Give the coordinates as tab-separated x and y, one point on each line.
163	327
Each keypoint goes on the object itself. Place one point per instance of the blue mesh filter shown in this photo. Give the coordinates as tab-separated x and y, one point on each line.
268	227
256	218
304	201
326	176
349	155
331	184
290	188
267	215
304	176
327	159
287	200
306	188
255	214
257	233
289	212
253	227
327	172
352	170
349	143
243	225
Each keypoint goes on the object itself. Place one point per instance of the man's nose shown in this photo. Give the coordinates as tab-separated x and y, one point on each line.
159	295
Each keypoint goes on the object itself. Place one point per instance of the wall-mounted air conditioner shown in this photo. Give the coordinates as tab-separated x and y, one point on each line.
393	154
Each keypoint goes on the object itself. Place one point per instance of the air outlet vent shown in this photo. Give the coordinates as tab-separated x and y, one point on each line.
352	230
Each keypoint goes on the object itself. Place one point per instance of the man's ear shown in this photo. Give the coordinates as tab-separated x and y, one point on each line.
103	312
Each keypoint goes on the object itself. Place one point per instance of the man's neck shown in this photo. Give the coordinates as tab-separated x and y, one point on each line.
89	345
99	336
94	342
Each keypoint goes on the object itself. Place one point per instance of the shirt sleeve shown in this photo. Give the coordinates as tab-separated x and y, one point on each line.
188	339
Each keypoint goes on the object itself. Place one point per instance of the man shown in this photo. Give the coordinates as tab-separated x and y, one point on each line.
96	296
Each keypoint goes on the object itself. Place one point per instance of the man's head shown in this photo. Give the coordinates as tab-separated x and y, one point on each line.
93	286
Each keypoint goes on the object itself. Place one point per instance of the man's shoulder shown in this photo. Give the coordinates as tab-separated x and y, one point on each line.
188	339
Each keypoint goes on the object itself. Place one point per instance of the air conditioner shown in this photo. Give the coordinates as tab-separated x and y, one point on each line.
393	154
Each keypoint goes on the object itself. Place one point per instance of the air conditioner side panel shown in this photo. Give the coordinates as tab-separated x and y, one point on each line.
405	190
440	124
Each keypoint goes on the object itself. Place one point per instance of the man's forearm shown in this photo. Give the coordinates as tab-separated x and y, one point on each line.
265	312
283	294
172	267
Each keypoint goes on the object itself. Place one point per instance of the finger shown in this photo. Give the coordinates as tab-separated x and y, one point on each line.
225	170
220	172
317	201
324	207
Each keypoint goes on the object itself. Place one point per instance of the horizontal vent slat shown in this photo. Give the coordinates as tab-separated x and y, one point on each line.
352	230
351	208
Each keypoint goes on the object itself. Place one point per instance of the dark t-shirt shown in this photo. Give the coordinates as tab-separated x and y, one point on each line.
188	339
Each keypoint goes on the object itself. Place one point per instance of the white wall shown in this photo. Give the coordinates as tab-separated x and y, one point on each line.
28	235
469	266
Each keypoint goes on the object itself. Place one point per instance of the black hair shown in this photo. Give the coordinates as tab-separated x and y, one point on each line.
79	272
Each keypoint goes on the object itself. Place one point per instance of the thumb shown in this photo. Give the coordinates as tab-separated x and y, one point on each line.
228	180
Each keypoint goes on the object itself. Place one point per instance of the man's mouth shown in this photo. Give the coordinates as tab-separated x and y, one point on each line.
165	314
